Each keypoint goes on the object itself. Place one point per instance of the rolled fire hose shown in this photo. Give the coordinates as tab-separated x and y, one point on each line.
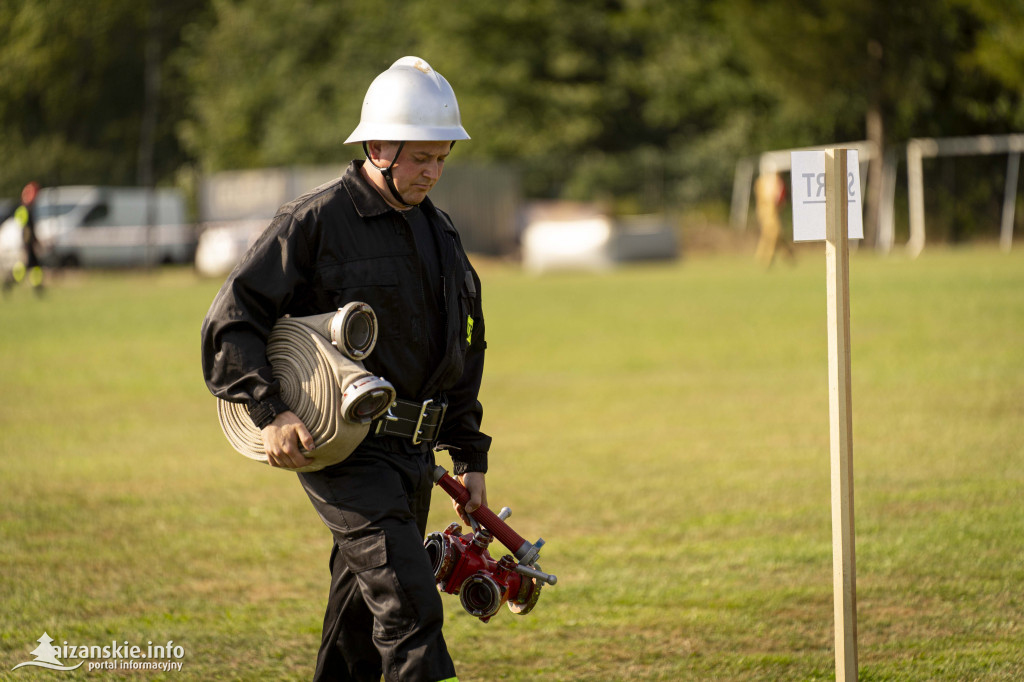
317	361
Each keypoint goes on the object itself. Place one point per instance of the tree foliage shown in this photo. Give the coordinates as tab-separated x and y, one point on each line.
276	83
72	94
645	102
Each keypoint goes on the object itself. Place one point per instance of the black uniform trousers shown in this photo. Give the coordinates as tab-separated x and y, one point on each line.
384	613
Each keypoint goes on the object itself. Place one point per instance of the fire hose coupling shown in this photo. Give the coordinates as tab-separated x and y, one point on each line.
354	330
463	566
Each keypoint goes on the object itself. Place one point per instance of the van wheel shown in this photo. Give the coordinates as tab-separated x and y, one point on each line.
69	261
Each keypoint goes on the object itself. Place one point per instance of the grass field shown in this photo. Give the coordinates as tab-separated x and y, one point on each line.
665	429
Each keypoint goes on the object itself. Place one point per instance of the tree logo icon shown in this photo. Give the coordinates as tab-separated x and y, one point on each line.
47	656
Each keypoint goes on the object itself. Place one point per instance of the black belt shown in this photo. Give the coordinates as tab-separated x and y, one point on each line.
420	422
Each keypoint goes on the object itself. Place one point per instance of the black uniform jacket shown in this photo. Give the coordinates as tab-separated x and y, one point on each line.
341	243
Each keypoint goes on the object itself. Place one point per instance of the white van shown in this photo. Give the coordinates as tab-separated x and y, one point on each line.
109	227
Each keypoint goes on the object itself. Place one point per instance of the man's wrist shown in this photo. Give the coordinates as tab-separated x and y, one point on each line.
263	412
466	463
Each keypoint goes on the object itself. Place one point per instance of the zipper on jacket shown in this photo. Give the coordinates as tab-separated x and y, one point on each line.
444	297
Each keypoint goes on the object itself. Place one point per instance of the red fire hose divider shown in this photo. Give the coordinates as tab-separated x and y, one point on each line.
523	550
463	566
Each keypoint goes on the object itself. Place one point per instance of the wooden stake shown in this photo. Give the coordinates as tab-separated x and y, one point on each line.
837	261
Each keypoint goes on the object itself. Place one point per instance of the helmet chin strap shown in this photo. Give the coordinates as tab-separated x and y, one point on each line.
386	172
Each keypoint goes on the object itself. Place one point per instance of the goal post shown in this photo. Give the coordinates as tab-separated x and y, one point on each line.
921	148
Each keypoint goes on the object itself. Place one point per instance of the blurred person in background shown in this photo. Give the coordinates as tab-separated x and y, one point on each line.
372	236
770	194
28	266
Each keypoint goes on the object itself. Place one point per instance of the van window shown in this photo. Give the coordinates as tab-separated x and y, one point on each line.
52	210
95	215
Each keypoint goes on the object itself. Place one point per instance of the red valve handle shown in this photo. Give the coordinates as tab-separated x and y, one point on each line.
488	519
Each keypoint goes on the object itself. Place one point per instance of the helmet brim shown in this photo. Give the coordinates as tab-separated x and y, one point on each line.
396	132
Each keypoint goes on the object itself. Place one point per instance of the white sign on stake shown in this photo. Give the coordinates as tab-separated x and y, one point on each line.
808	182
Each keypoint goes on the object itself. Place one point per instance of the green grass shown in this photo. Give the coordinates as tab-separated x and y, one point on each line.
664	428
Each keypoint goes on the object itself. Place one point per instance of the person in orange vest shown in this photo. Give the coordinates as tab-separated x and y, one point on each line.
28	266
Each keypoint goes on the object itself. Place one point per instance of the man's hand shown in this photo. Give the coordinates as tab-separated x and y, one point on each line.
477	487
281	439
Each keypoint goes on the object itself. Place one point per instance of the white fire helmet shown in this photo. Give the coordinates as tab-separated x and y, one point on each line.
409	102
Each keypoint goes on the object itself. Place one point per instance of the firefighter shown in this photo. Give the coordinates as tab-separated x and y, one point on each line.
372	235
29	265
770	195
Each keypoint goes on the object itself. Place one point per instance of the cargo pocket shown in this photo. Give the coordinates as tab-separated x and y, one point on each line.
393	613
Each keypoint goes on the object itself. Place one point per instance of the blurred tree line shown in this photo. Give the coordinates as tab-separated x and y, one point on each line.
647	102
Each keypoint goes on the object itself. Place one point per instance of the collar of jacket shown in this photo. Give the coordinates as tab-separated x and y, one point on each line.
368	201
